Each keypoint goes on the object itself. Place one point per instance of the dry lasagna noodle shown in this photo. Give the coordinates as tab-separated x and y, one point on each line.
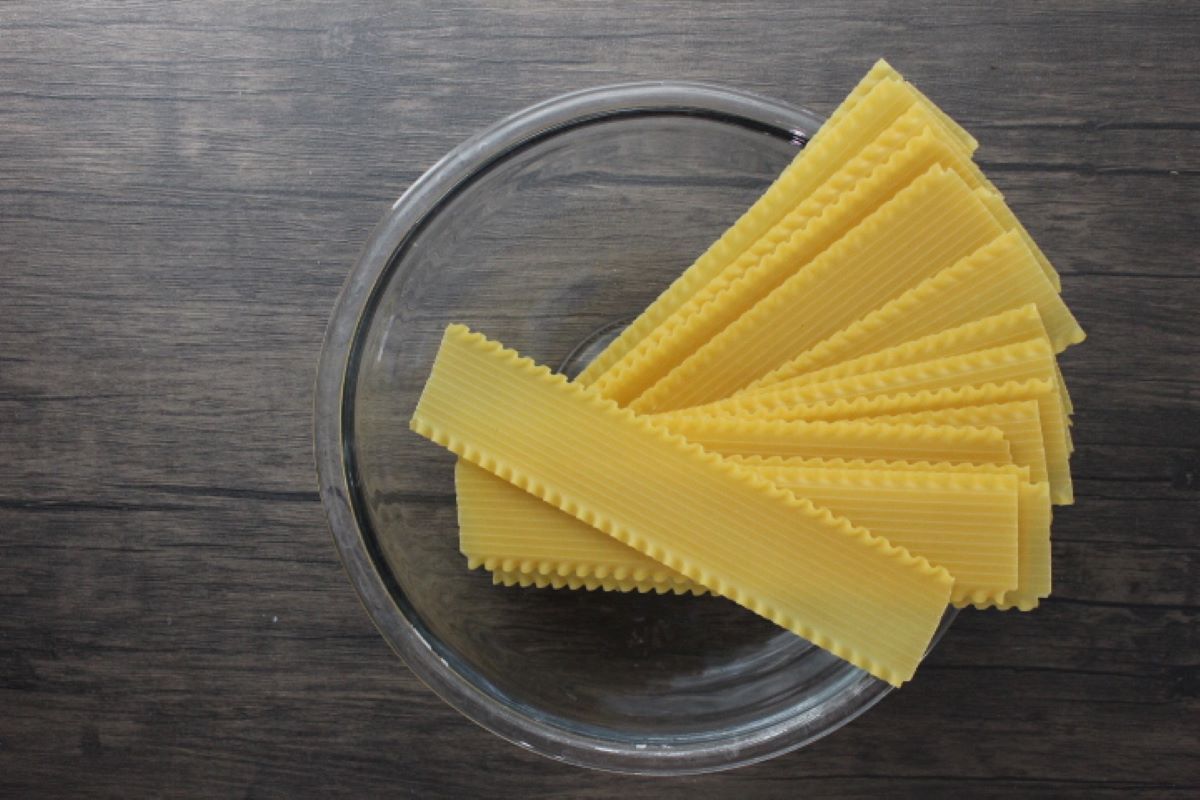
878	100
926	227
1034	562
493	507
1008	327
999	276
526	542
843	439
718	524
900	154
915	118
916	387
1019	420
965	522
881	464
878	73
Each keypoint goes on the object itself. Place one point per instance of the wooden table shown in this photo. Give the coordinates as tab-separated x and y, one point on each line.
183	187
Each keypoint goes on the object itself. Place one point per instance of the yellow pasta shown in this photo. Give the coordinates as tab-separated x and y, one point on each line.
899	155
516	533
1005	216
999	276
850	439
718	524
487	505
543	534
1022	473
1068	406
916	387
890	99
881	71
1033	571
1008	327
879	99
502	577
843	415
1021	422
524	541
1043	390
1034	559
1026	360
966	143
941	219
1033	577
965	522
883	103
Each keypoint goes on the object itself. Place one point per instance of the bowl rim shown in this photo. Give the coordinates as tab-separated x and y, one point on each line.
335	375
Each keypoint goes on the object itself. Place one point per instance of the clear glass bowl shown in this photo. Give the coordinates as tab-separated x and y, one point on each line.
549	232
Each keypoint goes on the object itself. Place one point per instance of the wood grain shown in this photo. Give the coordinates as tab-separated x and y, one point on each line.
183	187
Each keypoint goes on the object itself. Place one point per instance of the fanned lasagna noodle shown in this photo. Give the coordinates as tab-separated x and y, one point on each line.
1033	562
849	439
1021	422
1020	472
523	541
1015	372
1033	574
1067	405
1053	436
967	144
719	524
516	533
879	99
881	71
899	155
999	276
537	580
1008	219
965	522
941	219
1008	327
931	146
845	414
1026	360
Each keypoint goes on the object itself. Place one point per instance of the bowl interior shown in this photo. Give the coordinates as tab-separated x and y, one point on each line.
549	247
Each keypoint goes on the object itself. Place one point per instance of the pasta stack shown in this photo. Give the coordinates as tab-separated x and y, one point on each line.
844	415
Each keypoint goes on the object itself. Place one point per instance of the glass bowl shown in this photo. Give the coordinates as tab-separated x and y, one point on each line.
549	232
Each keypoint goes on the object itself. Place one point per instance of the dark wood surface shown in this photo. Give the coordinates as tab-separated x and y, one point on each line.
183	187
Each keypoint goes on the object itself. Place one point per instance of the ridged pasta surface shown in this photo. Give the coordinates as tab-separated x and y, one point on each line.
718	524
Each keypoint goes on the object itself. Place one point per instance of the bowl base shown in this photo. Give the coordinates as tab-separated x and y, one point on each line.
590	347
